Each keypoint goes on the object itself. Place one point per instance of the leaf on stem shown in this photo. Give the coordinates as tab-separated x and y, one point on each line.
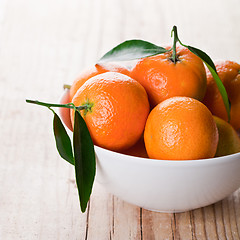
210	65
62	139
132	49
85	163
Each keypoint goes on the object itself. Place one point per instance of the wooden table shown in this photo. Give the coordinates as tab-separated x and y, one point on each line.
44	44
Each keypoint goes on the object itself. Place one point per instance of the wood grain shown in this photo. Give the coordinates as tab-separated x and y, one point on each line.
44	44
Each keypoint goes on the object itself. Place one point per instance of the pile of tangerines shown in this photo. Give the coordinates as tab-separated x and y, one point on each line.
159	108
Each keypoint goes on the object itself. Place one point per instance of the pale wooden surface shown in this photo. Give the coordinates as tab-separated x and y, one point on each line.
44	44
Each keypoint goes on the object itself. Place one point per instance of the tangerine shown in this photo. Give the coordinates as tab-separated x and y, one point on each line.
229	73
229	141
162	78
118	109
65	112
180	128
93	71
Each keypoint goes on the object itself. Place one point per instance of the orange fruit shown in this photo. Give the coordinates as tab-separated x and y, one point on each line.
229	141
180	128
93	71
229	73
65	112
118	112
162	78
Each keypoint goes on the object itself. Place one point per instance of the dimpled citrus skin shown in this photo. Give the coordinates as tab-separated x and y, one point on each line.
229	73
229	141
93	71
180	128
119	110
163	79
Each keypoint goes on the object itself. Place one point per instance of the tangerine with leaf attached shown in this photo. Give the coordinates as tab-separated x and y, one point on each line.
229	73
164	76
117	112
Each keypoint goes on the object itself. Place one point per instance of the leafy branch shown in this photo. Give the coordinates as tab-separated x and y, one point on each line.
135	49
81	155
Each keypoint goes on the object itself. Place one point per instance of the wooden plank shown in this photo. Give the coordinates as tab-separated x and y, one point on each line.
99	223
229	218
44	44
158	225
184	227
197	222
126	220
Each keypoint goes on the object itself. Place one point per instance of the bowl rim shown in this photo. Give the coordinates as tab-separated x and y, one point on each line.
151	160
213	160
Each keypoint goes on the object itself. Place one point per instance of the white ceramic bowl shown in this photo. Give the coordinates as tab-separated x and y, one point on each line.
168	186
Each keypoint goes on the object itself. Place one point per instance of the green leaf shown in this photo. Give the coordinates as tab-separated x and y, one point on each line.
63	141
85	163
203	56
132	49
210	65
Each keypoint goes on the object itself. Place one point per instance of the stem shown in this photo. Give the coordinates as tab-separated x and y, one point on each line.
175	40
66	86
68	105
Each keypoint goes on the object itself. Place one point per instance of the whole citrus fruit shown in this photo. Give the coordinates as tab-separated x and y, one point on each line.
180	128
65	112
229	141
93	71
229	73
162	78
118	109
